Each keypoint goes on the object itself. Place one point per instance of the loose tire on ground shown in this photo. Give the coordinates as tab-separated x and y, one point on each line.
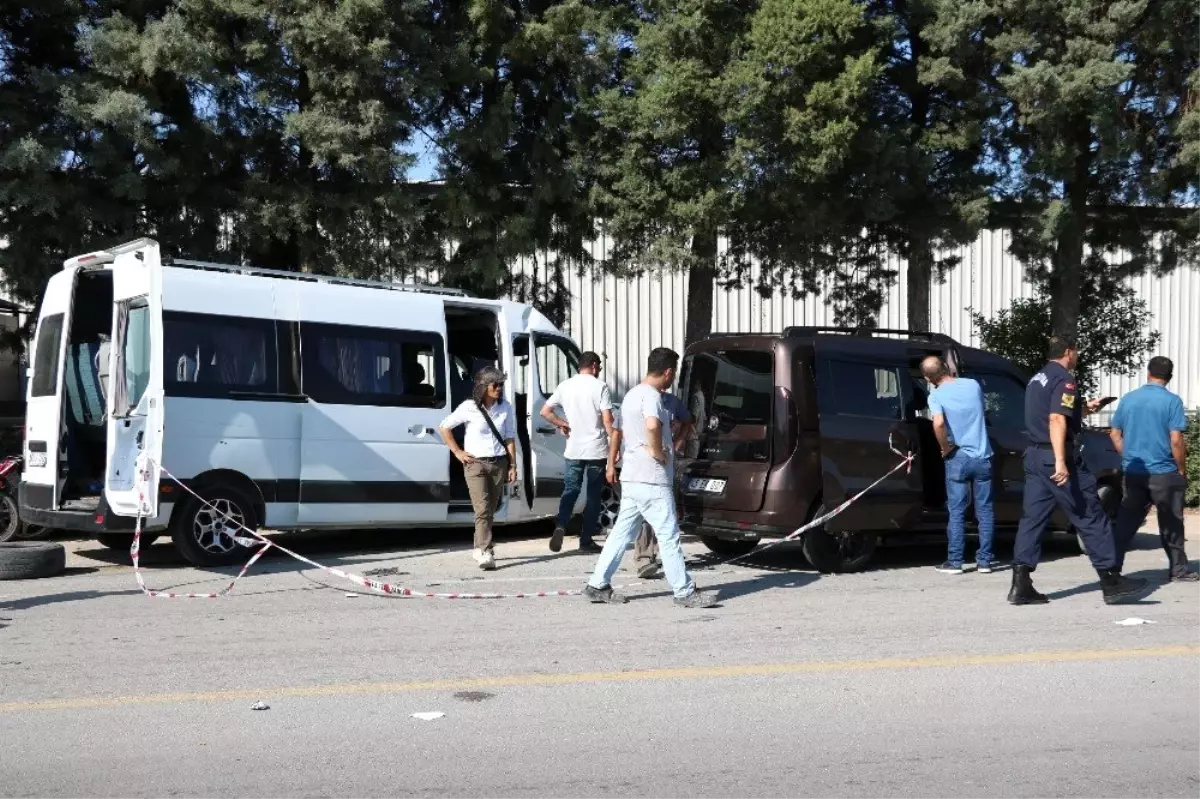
200	532
729	549
30	560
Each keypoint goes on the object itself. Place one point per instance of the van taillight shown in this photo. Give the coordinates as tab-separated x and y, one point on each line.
785	426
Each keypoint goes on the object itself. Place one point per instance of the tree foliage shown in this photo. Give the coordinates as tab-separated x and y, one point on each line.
1111	338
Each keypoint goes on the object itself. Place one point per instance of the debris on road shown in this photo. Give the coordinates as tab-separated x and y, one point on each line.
428	715
260	706
1133	622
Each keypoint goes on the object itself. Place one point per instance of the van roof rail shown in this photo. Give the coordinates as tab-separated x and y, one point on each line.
420	288
869	332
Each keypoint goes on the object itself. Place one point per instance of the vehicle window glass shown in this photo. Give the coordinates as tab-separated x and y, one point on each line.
345	365
862	389
729	394
1003	399
207	355
45	356
135	356
520	380
557	359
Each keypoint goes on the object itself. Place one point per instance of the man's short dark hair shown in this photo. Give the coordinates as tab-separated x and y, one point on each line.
1161	368
661	359
1059	344
589	360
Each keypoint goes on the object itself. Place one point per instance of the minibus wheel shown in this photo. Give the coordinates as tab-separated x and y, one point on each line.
203	531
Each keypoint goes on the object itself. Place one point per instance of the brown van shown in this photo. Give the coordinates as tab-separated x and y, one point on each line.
788	425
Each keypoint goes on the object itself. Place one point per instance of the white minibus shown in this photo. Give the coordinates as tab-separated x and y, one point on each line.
287	400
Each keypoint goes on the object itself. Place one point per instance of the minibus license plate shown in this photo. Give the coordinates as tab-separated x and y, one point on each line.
704	484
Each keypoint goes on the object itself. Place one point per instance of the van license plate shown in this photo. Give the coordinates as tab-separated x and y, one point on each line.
706	485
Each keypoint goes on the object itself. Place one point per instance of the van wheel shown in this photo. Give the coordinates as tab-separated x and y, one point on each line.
10	520
729	549
837	553
123	541
203	531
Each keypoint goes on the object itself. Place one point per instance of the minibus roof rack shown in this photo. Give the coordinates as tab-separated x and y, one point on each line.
420	288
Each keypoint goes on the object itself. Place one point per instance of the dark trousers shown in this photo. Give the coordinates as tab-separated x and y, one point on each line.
588	477
1078	498
1165	492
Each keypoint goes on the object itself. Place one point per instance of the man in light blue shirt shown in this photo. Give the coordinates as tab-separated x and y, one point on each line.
1147	430
958	423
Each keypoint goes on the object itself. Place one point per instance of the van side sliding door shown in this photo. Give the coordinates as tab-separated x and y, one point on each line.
861	399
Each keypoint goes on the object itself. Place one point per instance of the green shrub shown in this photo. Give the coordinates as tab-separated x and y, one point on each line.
1193	460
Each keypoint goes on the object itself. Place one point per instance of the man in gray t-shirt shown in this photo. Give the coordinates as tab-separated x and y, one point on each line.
645	548
647	491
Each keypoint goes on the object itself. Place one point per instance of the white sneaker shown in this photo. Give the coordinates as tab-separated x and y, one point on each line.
478	556
488	561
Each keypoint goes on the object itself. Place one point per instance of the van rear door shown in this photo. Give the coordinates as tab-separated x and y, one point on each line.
135	390
728	394
45	456
861	397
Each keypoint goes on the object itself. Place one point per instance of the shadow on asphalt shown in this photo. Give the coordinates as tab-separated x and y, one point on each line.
55	599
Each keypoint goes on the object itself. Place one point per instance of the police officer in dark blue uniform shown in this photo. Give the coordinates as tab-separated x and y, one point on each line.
1055	475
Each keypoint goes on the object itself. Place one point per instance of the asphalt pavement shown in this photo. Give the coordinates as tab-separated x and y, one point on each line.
896	681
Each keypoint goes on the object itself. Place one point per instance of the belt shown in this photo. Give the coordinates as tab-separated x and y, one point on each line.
493	458
1047	445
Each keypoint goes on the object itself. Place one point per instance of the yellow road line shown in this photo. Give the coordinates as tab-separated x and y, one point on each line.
683	673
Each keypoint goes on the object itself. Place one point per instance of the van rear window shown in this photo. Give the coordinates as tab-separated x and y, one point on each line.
45	356
729	397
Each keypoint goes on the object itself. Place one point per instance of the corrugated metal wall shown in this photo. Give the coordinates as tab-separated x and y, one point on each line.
625	318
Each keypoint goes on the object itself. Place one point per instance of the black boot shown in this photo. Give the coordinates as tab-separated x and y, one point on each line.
1118	589
1022	591
1178	572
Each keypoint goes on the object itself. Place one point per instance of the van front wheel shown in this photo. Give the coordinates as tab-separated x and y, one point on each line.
204	532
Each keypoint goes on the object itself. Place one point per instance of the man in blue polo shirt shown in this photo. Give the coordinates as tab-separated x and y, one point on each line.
1147	430
958	423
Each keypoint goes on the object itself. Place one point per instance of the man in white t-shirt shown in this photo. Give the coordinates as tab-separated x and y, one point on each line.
586	404
647	488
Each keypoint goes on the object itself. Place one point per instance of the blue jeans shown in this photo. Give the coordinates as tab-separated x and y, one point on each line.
583	475
654	504
965	474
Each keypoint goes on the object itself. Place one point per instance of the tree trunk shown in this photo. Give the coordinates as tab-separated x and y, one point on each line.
920	280
700	285
1066	282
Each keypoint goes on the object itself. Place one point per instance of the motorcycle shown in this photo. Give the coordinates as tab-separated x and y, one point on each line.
11	526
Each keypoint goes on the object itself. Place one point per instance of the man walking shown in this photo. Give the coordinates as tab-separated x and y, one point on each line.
645	548
1147	430
958	423
1056	475
647	488
587	405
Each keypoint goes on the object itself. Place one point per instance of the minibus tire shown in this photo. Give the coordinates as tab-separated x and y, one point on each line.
29	560
123	541
190	514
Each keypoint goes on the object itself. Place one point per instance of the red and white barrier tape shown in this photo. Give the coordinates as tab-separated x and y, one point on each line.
386	588
820	520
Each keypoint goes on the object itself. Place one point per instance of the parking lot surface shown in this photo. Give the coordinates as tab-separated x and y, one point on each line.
895	681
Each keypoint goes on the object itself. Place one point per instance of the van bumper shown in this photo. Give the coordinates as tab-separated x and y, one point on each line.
34	501
732	531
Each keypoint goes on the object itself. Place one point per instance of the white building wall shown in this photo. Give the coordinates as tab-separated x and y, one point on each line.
623	319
